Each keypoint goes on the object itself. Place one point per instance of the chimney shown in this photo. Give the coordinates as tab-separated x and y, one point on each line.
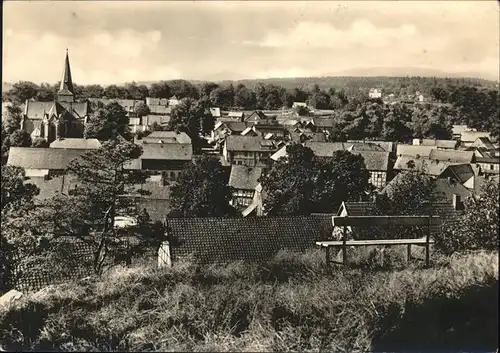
457	202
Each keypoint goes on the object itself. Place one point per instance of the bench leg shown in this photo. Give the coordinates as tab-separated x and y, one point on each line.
408	253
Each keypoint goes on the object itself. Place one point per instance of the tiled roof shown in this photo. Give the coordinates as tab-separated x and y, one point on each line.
256	116
37	110
76	143
152	101
243	177
43	158
414	151
159	119
215	112
235	126
310	136
326	149
324	122
449	144
471	136
235	114
388	146
451	156
78	265
220	240
50	187
160	109
167	151
462	172
458	129
484	142
358	208
430	167
374	161
365	146
279	153
249	143
181	137
491	160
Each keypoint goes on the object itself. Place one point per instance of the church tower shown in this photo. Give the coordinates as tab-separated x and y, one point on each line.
66	93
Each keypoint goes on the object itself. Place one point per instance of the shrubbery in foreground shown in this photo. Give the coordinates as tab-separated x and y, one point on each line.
291	303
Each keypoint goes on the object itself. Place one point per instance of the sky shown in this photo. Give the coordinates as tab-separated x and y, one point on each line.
116	42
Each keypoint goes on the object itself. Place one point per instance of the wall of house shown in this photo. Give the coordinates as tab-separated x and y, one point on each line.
248	158
242	197
378	179
36	172
489	166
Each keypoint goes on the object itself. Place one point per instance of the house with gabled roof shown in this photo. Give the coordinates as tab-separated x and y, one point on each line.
167	153
460	173
243	180
173	101
43	162
251	151
483	142
254	239
467	138
256	116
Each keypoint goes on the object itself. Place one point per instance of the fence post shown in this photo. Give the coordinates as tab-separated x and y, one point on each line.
327	255
344	246
427	243
408	253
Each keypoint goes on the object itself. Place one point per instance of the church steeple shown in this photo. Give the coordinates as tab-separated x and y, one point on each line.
65	93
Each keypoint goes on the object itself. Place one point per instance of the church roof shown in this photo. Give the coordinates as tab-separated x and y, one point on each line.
66	82
37	110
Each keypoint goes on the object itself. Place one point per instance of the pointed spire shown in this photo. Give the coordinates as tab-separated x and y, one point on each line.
66	82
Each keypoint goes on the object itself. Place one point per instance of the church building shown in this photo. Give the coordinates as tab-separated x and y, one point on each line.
58	119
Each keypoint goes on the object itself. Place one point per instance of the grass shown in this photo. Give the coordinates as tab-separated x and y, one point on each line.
292	302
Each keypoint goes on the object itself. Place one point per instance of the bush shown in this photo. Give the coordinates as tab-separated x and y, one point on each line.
229	308
477	228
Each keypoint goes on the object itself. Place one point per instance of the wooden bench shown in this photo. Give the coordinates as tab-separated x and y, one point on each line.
361	221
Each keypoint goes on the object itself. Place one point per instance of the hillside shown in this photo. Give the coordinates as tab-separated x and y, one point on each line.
292	303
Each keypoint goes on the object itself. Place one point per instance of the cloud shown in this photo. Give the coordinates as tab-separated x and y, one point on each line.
324	35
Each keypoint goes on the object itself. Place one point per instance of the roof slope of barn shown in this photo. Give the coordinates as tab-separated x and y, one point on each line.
219	240
43	158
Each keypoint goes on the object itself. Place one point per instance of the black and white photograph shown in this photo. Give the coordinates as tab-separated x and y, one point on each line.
257	176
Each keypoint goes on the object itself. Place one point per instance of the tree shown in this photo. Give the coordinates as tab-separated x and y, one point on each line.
183	89
301	183
22	91
160	90
115	92
15	191
477	228
191	117
108	122
244	98
141	109
101	195
46	93
202	191
410	193
19	138
92	91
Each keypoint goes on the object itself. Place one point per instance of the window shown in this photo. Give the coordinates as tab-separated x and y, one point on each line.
492	166
239	163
